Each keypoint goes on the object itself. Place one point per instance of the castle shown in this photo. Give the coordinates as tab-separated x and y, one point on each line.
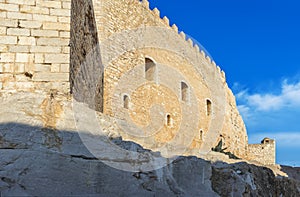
126	61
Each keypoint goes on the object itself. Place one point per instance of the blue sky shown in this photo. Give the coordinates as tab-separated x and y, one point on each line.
257	44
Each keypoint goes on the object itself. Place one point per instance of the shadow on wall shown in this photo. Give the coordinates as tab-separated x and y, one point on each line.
86	68
41	161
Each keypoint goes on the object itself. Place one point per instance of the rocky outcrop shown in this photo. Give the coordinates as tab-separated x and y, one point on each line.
39	161
242	179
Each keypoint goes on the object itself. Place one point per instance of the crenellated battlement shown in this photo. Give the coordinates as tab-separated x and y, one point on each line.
34	39
166	21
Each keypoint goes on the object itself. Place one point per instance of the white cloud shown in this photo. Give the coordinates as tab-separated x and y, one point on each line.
241	94
288	97
267	114
292	92
283	139
266	102
245	111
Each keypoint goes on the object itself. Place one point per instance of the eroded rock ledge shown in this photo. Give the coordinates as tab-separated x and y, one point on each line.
40	162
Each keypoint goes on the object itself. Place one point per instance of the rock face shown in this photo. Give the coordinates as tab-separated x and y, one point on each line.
40	162
242	179
37	161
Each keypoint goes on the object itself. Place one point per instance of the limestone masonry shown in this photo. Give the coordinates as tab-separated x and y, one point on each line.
124	60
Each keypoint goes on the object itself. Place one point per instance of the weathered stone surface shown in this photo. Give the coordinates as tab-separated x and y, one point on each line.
45	160
186	101
42	154
31	27
86	67
49	162
242	179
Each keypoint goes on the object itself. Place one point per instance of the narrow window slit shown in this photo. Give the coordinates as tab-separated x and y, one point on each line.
184	92
169	120
150	69
126	101
208	107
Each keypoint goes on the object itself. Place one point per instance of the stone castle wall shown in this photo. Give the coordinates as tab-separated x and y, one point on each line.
110	42
130	33
34	39
264	152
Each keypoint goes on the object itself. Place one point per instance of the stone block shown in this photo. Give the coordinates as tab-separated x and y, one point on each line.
42	67
29	67
65	68
6	77
48	4
52	42
9	7
8	40
64	34
18	32
19	49
45	49
2	30
27	41
3	48
39	58
56	26
9	86
8	22
63	86
51	77
43	18
44	33
7	57
3	14
21	77
18	15
55	68
21	2
56	58
60	12
33	9
64	19
19	68
24	85
8	68
30	24
66	5
66	50
24	57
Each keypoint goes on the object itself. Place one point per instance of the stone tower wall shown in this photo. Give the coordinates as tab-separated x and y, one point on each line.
34	39
264	152
129	32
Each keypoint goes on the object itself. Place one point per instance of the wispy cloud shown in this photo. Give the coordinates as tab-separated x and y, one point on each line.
283	139
289	96
245	111
273	110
